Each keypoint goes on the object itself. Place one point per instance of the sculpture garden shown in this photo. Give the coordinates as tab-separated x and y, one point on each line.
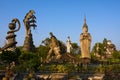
56	60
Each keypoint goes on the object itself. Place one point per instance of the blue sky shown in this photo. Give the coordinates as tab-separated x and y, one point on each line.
63	18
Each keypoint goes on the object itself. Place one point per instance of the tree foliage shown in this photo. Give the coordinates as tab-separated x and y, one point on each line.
116	55
42	51
9	56
75	48
29	60
99	48
46	42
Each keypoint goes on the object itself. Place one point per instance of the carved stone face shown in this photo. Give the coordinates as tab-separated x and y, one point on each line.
85	30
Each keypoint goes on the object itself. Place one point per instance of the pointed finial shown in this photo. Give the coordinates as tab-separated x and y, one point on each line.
85	24
68	37
85	19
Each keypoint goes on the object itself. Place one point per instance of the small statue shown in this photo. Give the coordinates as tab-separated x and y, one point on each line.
54	47
12	66
10	72
29	21
97	50
68	45
11	41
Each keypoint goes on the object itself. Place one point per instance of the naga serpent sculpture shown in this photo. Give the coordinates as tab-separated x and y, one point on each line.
29	21
11	43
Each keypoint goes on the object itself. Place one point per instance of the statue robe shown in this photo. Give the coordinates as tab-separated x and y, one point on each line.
68	46
85	42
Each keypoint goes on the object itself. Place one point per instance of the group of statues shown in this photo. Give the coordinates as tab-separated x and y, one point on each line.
30	21
85	42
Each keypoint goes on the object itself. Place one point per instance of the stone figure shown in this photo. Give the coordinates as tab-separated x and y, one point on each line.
29	21
68	45
10	72
85	41
110	48
97	50
10	39
54	47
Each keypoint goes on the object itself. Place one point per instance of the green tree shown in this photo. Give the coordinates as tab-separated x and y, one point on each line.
9	56
46	42
62	47
99	49
29	60
105	41
42	51
76	48
116	55
93	58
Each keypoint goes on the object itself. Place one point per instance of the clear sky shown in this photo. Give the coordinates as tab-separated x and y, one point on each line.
63	18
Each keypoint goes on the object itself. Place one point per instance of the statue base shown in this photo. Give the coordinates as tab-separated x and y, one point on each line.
28	44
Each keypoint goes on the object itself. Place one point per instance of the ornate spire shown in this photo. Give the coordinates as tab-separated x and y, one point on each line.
85	24
85	20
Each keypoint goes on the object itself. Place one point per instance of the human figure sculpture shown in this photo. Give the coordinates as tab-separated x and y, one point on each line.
68	45
85	41
97	50
54	47
29	21
10	39
110	47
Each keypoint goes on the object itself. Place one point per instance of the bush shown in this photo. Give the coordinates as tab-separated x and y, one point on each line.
29	60
58	68
10	56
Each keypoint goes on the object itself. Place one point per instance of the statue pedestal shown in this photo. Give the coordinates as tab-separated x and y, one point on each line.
28	44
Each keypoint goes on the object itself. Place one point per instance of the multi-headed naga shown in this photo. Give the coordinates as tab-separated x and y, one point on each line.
29	21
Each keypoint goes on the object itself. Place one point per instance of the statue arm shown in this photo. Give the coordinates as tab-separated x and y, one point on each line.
89	38
27	28
81	37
